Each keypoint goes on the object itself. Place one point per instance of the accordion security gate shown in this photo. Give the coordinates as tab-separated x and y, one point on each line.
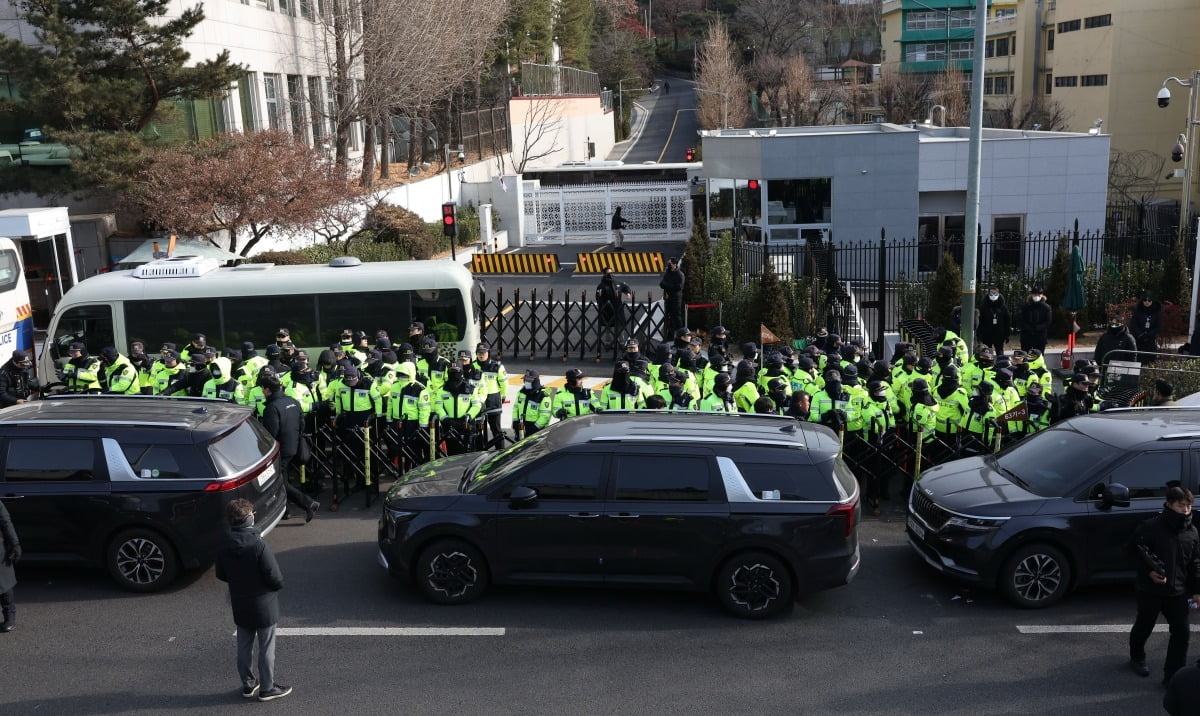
584	212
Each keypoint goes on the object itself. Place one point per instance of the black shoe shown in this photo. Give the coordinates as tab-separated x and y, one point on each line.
6	627
287	515
276	692
249	692
311	510
1139	667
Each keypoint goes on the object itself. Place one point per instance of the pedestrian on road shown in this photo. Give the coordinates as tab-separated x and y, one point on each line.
284	419
1166	551
10	554
618	223
246	563
672	287
1183	693
666	87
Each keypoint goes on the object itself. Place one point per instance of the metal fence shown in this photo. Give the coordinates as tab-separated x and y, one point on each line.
555	80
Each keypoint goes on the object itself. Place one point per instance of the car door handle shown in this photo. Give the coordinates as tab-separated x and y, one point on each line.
585	514
11	496
624	516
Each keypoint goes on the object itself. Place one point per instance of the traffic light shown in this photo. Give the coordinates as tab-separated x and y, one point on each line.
690	154
449	222
754	198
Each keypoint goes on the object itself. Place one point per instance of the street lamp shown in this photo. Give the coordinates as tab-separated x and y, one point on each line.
1188	142
724	107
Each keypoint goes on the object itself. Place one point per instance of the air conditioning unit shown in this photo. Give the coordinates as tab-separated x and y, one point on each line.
177	267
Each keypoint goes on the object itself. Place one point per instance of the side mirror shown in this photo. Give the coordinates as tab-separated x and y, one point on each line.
522	496
1114	495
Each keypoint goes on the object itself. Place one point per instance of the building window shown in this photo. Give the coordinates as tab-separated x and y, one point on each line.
1066	81
962	18
989	48
1002	13
799	201
883	55
925	21
1097	21
1069	26
295	90
331	107
1094	80
316	115
925	51
962	50
998	85
1003	45
1049	83
1050	41
271	92
306	8
286	7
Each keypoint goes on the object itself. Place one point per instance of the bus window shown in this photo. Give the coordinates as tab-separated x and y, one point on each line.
443	313
92	324
10	270
367	312
256	318
156	322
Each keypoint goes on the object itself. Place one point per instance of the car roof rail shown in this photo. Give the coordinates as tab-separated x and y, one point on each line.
1180	436
1143	408
112	396
52	422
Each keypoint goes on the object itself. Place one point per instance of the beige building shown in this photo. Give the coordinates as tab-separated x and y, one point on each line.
1089	59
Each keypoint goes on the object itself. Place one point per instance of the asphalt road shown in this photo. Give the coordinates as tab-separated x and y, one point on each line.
670	127
898	640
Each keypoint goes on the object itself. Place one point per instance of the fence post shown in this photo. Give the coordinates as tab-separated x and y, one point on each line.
882	292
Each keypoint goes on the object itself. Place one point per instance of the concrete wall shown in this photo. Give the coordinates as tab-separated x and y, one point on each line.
558	128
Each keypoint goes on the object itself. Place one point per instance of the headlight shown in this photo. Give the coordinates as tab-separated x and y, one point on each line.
976	524
395	515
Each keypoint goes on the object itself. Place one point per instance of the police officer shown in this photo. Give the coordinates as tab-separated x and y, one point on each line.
573	399
720	398
118	377
457	404
718	347
1077	400
951	414
170	378
196	347
431	366
252	363
745	392
980	428
81	373
1040	410
144	365
197	374
223	387
621	393
777	391
532	408
493	382
409	410
830	404
676	395
17	383
355	402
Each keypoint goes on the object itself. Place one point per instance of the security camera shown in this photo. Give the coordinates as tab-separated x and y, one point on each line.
1177	152
462	157
1164	97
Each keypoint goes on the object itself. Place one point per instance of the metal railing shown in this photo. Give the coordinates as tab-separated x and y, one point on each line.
555	80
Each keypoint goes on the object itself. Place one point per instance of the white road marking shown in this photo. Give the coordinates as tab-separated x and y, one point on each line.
390	631
1089	628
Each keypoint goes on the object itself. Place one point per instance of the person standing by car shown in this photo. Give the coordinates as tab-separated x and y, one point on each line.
1033	321
246	563
1166	550
17	383
10	554
284	419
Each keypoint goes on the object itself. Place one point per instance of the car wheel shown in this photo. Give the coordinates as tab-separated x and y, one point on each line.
1035	576
142	560
451	572
754	585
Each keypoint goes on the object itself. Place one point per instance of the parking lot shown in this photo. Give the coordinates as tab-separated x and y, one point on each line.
898	640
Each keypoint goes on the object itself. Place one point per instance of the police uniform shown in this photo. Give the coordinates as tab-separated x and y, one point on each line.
573	399
532	408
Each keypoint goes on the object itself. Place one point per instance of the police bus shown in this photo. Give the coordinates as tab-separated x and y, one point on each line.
172	299
16	315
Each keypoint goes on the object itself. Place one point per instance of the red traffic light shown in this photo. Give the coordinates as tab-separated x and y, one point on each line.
753	184
690	154
449	223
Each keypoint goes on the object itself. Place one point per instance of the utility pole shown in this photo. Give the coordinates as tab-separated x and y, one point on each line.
974	160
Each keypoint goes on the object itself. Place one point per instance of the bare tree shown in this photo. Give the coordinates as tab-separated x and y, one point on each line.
1038	113
1134	175
720	73
777	26
537	137
795	91
903	96
950	91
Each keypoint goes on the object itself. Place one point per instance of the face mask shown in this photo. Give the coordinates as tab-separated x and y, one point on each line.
993	297
216	372
1114	326
527	385
1036	298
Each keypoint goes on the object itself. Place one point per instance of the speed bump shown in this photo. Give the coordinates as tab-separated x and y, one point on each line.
620	261
514	263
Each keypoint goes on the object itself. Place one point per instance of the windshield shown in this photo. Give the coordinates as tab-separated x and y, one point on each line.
1053	462
504	463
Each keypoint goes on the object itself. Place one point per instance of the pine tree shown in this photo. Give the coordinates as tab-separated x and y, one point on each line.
697	261
945	292
99	75
771	304
1057	279
1176	284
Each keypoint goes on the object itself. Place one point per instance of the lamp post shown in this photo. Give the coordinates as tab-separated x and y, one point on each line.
724	107
1189	152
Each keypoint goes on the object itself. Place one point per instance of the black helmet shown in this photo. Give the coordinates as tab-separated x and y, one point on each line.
950	371
805	363
722	380
919	385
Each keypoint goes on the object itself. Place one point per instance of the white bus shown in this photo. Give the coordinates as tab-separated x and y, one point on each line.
172	299
16	315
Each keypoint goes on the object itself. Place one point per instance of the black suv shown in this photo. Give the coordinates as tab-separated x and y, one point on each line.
758	508
1057	509
136	484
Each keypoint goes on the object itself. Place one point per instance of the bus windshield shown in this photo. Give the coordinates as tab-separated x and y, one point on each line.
16	315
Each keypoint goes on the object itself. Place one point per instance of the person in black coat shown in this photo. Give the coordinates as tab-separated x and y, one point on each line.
1144	324
610	295
1115	338
1166	551
618	223
1183	692
995	322
672	287
1033	321
246	563
284	419
10	554
17	383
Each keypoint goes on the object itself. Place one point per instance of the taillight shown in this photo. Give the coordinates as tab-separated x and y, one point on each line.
229	484
847	511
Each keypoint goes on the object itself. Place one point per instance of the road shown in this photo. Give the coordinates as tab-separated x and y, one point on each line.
670	126
898	640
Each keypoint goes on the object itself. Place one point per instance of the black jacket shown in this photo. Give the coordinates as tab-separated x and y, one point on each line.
994	321
1114	339
15	384
283	418
1146	322
1158	544
1034	318
10	549
246	563
1183	693
672	283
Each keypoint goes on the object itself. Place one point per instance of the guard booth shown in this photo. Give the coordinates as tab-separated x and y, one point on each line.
47	255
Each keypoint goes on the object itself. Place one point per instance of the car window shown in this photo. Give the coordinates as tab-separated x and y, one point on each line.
1147	474
1052	463
166	462
49	460
661	477
794	482
507	462
567	477
241	448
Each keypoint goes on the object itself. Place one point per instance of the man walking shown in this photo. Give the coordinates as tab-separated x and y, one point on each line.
618	223
1167	554
10	554
284	419
246	563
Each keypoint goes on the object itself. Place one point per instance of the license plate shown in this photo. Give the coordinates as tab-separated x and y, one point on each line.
265	476
916	528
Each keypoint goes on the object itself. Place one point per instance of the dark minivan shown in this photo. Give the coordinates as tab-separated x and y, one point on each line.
756	508
134	484
1055	510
